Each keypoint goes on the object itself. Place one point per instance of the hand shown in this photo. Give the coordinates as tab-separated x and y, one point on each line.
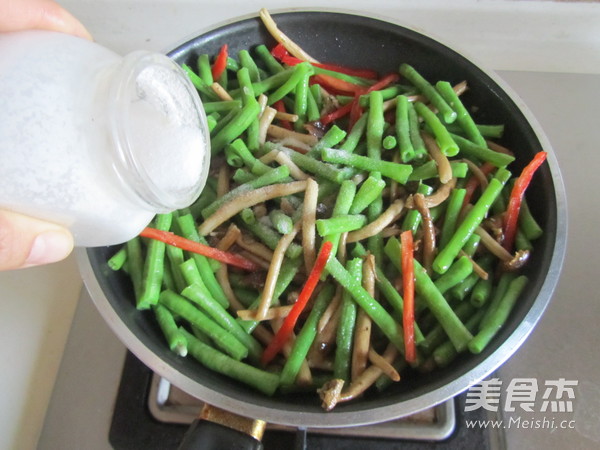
25	241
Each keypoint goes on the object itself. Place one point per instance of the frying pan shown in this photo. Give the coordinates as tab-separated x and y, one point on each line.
361	41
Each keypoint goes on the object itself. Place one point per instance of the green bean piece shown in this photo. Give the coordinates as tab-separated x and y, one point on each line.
499	316
407	152
300	105
428	91
312	165
238	155
395	171
189	231
474	151
471	221
442	136
135	263
331	138
116	261
247	62
244	76
236	127
340	224
429	170
167	279
204	89
342	205
455	203
527	223
315	90
446	353
345	331
369	190
505	279
221	337
437	336
225	120
389	142
461	269
191	274
221	317
412	220
312	109
375	123
261	380
305	337
274	175
489	131
232	64
521	241
245	296
414	129
299	72
154	265
175	258
271	237
356	133
204	69
281	221
482	291
389	327
175	339
211	122
471	245
463	118
272	65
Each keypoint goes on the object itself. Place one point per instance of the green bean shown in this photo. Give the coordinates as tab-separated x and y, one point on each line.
232	64
200	85
247	62
342	76
175	258
135	264
471	245
446	353
395	171
482	291
191	274
357	131
238	155
221	317
312	109
237	126
463	118
437	336
388	93
455	203
389	327
412	220
315	90
204	69
505	279
154	265
521	241
189	231
461	290
270	238
245	78
414	129
490	131
175	339
273	176
461	269
245	296
369	190
211	122
312	165
375	123
225	120
428	91
342	206
268	59
116	261
281	221
331	138
263	381
407	152
499	315
389	142
345	331
306	337
476	152
340	224
299	72
471	221
221	337
442	136
527	223
429	170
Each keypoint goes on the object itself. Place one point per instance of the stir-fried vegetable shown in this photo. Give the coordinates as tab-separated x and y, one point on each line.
378	193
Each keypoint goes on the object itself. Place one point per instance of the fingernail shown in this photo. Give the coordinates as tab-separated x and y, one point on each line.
49	247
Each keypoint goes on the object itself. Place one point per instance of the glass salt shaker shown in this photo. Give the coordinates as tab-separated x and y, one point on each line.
94	141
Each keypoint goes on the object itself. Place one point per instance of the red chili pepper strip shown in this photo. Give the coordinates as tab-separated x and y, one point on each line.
195	247
280	107
279	51
408	287
220	63
385	81
342	86
516	197
355	112
337	114
287	327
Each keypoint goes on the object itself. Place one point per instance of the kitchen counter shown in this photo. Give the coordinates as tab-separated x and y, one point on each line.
549	52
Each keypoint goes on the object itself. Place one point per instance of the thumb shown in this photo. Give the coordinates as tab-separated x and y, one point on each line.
26	242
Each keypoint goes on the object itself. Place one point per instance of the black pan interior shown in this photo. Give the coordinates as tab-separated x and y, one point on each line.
361	42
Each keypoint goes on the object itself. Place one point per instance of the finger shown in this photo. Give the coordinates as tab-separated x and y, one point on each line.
26	242
16	15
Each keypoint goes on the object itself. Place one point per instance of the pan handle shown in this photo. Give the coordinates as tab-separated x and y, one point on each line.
217	429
